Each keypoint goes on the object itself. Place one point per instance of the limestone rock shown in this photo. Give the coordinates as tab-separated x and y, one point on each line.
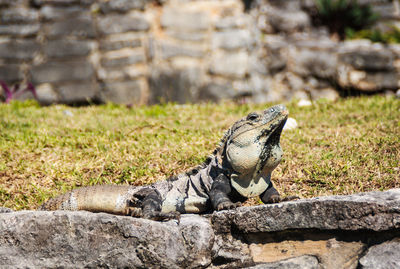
113	24
382	256
302	262
19	49
83	239
377	211
62	71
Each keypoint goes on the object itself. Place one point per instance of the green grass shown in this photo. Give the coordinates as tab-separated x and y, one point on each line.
349	146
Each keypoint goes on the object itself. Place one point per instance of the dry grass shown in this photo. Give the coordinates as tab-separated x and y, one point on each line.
349	146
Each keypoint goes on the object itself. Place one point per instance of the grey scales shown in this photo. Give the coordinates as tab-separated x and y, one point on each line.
239	168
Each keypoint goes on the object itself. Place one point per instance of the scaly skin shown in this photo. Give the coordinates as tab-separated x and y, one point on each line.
239	168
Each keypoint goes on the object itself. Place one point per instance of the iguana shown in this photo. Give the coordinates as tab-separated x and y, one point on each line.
239	168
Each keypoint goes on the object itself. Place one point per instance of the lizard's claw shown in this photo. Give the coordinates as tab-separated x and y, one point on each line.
227	205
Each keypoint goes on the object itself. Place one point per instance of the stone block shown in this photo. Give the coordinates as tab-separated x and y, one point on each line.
20	29
77	93
82	26
170	50
53	13
370	59
232	39
11	73
121	5
122	72
22	49
46	94
113	24
302	262
382	256
63	2
67	48
179	86
216	91
187	36
125	92
230	64
185	20
62	71
231	22
362	80
107	45
123	57
312	62
18	15
288	21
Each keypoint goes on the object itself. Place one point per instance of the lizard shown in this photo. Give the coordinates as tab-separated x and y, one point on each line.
239	168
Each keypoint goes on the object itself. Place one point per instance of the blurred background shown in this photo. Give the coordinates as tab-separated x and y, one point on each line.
146	52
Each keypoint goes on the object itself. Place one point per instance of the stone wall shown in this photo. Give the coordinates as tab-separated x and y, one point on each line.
144	51
354	231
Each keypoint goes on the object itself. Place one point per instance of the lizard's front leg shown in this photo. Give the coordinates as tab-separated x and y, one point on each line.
271	196
220	189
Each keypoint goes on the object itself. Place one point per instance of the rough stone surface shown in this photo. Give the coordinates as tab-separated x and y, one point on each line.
79	26
120	24
382	256
127	92
78	93
302	262
82	239
233	39
66	48
62	71
230	64
20	29
182	19
10	73
377	211
324	232
19	49
121	5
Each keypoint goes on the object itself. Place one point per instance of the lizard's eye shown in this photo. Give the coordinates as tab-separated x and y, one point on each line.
252	116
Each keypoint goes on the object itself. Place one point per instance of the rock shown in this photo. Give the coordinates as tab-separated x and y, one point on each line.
121	5
123	57
362	80
62	71
78	93
52	13
18	15
80	25
67	48
302	262
169	50
368	59
46	94
113	24
382	256
180	86
117	44
187	36
290	124
216	92
230	64
184	20
124	92
5	210
398	93
19	49
304	102
231	22
11	73
312	62
372	210
83	239
22	30
232	39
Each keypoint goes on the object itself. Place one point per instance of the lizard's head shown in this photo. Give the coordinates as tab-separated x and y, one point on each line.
251	149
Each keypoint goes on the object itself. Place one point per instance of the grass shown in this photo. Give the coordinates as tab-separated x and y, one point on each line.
349	146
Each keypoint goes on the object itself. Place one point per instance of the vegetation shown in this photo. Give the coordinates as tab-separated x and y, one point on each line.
392	35
341	16
349	146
